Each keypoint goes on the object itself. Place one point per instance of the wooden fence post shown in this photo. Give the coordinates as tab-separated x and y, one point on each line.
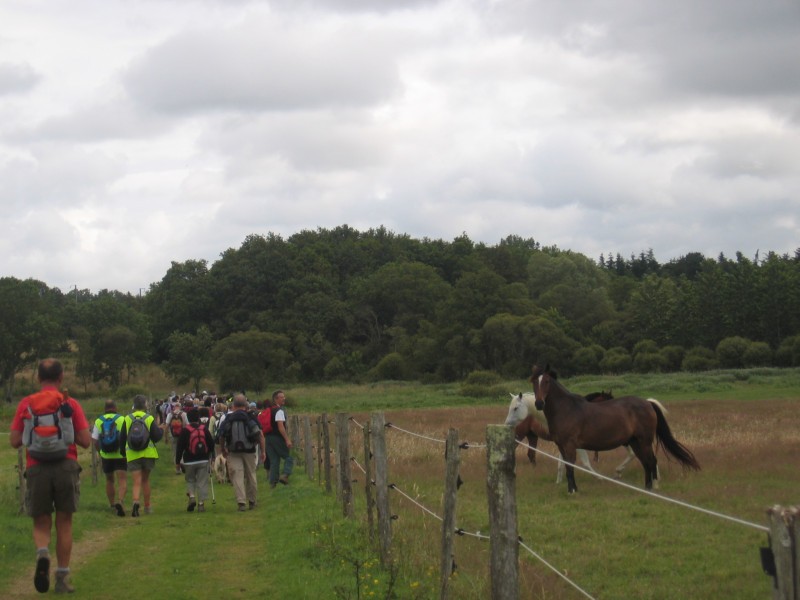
784	530
368	483
319	450
378	431
453	458
326	452
308	447
294	434
501	492
345	471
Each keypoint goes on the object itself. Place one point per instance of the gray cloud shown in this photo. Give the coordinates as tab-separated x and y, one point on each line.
17	78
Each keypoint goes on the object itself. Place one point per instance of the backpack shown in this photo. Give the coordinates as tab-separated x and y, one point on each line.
241	433
197	439
266	418
176	425
48	432
109	434
138	434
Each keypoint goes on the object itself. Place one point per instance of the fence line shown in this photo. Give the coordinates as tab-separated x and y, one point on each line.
650	493
780	553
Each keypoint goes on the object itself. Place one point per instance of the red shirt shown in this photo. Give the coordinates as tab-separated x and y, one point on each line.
79	423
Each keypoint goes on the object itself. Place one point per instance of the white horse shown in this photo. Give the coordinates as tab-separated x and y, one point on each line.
522	405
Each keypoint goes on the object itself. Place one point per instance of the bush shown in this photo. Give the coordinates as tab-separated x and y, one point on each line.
699	359
587	359
788	353
127	392
391	367
730	352
649	362
758	354
673	357
486	378
616	360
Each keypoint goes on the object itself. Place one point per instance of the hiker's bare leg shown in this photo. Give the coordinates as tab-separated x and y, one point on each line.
110	488
41	530
137	484
122	485
146	486
63	538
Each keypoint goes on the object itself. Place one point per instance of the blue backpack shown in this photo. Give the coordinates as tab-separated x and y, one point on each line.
109	434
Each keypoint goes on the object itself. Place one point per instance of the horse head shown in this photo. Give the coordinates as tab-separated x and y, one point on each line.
517	410
541	378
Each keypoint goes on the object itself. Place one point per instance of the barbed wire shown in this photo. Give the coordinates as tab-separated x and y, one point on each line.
648	492
419	435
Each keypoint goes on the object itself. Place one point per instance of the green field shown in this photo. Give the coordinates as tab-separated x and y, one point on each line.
742	425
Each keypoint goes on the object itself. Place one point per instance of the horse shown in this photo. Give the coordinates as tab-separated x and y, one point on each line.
531	424
574	423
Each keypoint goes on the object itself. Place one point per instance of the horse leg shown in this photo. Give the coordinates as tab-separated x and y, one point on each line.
625	462
533	441
583	456
644	452
568	454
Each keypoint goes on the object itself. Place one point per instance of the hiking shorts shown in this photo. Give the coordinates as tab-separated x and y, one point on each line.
52	486
142	464
113	464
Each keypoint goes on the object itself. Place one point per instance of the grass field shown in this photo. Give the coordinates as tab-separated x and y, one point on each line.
743	427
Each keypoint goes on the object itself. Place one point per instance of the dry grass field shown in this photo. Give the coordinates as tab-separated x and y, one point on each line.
611	541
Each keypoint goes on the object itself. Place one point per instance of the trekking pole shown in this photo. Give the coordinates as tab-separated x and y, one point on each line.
211	479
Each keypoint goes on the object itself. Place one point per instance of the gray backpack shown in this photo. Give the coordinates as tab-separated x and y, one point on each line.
48	435
241	432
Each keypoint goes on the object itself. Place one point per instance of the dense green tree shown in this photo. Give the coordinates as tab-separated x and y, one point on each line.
189	356
248	360
29	327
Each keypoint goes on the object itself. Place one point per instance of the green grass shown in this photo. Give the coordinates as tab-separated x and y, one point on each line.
612	542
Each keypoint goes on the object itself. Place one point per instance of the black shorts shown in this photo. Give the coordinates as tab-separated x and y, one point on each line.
113	464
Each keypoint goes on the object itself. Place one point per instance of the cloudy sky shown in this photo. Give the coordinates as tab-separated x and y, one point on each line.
136	133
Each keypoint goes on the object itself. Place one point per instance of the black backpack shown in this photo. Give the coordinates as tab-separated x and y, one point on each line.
138	434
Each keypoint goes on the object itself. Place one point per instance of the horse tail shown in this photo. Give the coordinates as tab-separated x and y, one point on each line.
658	404
667	441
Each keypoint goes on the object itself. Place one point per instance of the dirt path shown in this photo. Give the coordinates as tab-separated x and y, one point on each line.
91	544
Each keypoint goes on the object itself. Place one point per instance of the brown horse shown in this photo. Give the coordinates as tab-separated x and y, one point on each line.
574	423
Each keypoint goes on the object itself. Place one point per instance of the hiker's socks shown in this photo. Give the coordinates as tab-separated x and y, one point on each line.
62	584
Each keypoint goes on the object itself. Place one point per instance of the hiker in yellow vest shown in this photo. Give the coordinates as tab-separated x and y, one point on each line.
113	463
140	450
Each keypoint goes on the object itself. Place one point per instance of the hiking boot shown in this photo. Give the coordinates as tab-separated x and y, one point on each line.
201	507
41	579
251	505
242	507
148	510
273	485
135	510
62	585
191	505
119	509
284	479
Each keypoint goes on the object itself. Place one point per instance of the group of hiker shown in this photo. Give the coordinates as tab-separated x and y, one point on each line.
235	436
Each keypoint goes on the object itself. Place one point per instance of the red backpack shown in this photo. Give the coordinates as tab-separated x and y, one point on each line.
176	424
265	419
197	439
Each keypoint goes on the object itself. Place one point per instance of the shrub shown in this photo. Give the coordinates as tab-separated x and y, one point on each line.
587	359
486	378
788	353
127	392
699	359
616	360
673	357
758	354
730	352
649	362
390	367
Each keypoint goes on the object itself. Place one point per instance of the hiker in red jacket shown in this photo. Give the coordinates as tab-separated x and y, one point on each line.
50	424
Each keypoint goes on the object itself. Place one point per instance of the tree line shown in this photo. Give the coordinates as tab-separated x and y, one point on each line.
343	304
